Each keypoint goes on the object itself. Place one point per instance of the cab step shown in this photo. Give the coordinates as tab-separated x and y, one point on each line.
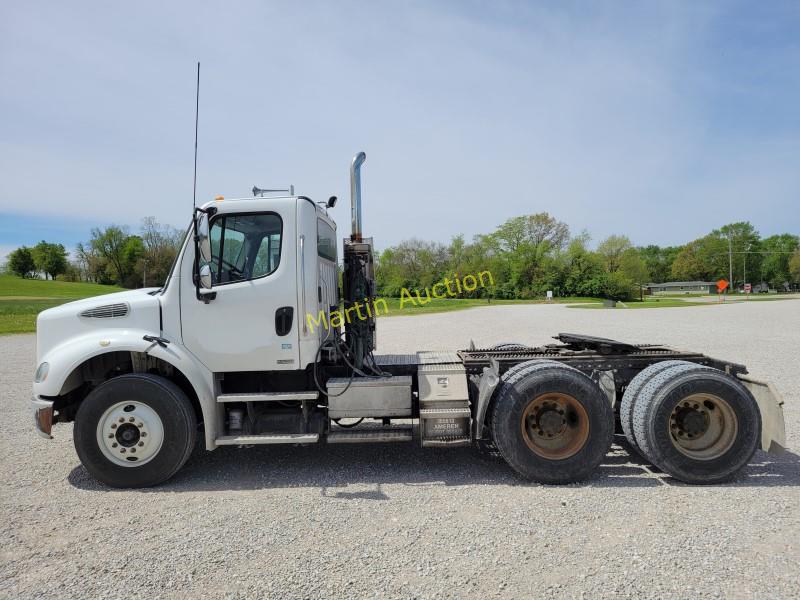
277	438
383	434
268	397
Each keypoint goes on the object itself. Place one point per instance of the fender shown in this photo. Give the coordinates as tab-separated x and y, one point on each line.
64	358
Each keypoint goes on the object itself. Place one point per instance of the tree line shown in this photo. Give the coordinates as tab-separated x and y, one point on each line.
112	255
529	255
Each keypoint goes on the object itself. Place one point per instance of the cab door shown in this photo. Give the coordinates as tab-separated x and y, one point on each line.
252	322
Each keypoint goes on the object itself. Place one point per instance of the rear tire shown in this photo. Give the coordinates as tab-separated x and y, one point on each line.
551	423
697	424
135	431
632	393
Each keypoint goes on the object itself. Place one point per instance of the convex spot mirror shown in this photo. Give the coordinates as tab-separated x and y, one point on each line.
203	240
205	277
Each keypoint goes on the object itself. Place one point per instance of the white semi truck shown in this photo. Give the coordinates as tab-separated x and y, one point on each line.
229	350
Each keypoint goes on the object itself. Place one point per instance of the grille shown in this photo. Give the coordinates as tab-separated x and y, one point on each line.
107	311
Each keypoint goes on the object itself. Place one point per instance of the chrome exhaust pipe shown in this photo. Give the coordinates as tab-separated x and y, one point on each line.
355	195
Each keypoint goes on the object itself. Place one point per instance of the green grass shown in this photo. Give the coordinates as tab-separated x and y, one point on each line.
22	299
659	303
437	305
39	288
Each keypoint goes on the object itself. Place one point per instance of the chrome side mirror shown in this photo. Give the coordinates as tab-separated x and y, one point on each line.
203	241
205	277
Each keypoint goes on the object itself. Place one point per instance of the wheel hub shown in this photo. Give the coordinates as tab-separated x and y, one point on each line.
130	433
555	426
703	426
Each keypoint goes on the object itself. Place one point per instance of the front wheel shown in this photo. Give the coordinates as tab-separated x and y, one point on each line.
551	423
135	431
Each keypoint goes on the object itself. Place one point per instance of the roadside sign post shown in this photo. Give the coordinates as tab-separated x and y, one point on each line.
722	285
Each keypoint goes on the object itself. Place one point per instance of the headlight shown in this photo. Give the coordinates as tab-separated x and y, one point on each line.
41	372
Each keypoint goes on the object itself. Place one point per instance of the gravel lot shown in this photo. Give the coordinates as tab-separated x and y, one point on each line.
400	521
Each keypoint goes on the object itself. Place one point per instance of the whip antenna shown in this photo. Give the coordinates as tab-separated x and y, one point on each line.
196	118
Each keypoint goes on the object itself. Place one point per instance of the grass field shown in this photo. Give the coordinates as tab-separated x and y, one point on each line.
22	299
668	303
449	304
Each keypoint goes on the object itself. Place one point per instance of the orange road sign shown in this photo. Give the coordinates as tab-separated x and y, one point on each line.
722	285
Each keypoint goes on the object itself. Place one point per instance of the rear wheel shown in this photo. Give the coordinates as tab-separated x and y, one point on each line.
551	423
135	430
632	393
698	424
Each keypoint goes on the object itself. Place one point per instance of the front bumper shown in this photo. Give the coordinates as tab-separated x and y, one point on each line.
43	417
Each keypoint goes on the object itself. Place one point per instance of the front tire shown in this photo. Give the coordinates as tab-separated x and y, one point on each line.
552	424
135	431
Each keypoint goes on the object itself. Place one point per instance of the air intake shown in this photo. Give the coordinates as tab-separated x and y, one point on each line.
107	311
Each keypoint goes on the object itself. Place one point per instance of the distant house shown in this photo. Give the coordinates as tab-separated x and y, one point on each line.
683	287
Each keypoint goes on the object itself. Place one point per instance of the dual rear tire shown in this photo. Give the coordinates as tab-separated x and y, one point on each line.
698	424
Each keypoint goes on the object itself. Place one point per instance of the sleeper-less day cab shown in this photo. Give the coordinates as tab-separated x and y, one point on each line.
225	351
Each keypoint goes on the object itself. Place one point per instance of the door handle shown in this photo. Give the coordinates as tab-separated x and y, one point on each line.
283	320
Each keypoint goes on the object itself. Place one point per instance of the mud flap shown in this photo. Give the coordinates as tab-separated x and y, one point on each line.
770	404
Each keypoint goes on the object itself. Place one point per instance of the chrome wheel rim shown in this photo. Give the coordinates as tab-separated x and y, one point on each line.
130	434
703	426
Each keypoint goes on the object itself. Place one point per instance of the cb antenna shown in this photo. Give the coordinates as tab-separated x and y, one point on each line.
196	120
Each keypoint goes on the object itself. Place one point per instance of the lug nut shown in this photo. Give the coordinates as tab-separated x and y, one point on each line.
141	444
140	425
111	436
114	445
122	450
133	450
144	434
132	419
122	419
113	426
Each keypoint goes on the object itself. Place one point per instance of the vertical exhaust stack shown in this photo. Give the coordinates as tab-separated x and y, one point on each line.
355	195
358	277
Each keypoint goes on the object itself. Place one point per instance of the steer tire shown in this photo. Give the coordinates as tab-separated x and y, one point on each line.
713	407
587	424
632	393
160	406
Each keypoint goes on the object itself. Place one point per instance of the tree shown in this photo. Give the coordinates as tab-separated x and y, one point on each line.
634	268
659	261
161	246
777	251
50	259
109	244
535	229
21	263
794	266
612	249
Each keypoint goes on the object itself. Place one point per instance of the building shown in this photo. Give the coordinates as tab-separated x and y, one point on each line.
683	287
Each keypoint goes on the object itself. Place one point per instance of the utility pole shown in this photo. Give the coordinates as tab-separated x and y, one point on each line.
730	258
745	263
144	274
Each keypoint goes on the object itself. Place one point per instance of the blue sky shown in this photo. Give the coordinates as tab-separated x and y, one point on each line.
660	120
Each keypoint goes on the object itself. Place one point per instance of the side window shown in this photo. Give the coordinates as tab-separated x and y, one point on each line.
326	240
245	246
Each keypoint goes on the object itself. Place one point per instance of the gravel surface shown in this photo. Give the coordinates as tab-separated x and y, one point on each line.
399	521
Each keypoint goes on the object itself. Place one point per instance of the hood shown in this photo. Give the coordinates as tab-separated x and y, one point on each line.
134	309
